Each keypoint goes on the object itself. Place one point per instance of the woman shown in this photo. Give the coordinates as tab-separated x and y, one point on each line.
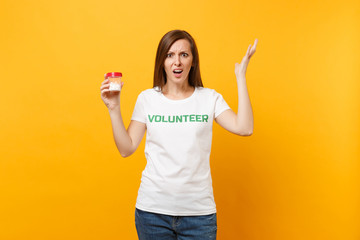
175	198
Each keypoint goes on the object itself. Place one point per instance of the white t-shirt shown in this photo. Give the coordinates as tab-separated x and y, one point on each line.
177	179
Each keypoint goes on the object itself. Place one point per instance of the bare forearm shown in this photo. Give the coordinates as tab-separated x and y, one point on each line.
245	119
121	137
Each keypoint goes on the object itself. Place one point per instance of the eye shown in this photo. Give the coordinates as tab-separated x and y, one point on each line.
169	55
184	54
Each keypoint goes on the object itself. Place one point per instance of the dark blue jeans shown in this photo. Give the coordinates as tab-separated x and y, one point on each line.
154	226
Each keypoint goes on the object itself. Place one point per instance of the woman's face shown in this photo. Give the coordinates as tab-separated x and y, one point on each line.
178	61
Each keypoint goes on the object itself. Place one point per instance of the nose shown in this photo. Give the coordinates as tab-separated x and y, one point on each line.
177	60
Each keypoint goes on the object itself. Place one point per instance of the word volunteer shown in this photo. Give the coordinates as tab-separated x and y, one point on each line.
178	118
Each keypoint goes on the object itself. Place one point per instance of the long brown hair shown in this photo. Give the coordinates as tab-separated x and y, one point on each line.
164	45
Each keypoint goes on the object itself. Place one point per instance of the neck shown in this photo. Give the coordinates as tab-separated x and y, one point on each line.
170	87
177	91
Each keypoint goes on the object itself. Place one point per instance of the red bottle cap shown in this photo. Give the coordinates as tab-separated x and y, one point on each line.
113	74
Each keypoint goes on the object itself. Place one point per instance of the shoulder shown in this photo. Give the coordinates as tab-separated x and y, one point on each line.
207	92
150	92
204	90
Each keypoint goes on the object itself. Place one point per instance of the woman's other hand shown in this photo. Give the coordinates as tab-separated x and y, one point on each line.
110	98
240	69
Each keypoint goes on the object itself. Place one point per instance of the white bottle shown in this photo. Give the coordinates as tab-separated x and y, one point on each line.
115	80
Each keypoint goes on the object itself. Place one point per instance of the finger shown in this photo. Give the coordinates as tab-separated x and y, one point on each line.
253	49
256	42
104	91
248	50
105	86
105	81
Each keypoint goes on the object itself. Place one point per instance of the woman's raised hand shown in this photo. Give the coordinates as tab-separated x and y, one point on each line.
110	98
240	69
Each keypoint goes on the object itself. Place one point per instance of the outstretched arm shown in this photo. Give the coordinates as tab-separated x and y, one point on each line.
241	123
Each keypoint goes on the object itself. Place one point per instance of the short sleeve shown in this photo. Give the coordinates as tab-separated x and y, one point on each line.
220	105
139	110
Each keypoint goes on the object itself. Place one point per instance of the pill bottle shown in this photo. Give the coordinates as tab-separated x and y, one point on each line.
115	80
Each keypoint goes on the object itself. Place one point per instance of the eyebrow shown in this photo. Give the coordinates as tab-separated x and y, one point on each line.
184	51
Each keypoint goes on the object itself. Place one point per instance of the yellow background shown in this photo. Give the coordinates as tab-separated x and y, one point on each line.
296	177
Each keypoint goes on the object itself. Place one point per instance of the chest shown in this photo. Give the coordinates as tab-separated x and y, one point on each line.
192	119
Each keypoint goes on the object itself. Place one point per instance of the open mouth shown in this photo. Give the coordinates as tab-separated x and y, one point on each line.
177	72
